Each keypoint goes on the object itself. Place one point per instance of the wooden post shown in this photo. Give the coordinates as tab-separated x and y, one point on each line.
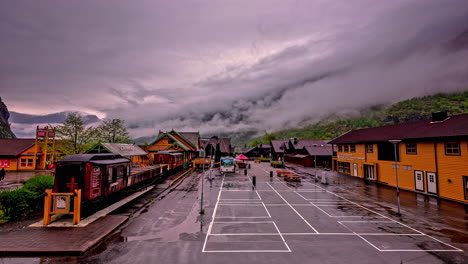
77	207
47	206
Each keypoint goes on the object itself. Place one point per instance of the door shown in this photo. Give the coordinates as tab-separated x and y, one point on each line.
355	167
369	172
431	180
419	181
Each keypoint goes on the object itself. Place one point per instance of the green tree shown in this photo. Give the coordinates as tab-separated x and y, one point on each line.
74	137
114	131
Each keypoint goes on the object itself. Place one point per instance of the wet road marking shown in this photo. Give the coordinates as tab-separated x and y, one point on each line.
378	241
315	230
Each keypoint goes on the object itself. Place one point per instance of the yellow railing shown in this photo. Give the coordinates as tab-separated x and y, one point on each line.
60	203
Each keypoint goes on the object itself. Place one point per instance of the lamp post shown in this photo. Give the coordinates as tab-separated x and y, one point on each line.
395	142
202	179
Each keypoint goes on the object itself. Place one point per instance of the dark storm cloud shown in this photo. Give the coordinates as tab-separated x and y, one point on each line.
220	66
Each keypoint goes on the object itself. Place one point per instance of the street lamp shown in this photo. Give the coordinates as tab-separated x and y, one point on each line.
395	142
202	179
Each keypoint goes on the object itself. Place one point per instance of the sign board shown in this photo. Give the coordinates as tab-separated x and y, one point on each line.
4	163
51	134
61	203
41	133
95	183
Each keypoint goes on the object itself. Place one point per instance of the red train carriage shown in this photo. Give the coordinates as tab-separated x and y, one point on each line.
95	174
174	159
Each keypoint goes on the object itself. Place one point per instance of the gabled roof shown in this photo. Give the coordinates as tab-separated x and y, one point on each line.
454	126
14	147
259	146
192	137
300	144
177	141
277	145
224	143
125	150
319	150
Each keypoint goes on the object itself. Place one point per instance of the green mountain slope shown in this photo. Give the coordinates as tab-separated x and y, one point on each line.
413	109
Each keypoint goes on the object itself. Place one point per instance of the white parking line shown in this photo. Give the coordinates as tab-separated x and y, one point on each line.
213	215
315	230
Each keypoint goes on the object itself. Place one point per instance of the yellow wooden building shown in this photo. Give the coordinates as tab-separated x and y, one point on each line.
188	143
29	153
432	155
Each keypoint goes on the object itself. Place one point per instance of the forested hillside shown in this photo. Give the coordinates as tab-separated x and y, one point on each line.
405	111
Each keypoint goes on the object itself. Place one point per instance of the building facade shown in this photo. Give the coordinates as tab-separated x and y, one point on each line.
431	156
187	143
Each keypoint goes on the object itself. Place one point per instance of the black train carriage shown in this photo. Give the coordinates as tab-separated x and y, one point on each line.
97	175
174	159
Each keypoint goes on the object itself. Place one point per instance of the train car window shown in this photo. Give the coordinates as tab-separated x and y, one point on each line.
109	174
114	174
120	171
128	171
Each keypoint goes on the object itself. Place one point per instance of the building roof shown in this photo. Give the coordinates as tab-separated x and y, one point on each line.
126	150
300	144
224	143
454	126
94	158
14	147
299	156
319	150
277	145
192	137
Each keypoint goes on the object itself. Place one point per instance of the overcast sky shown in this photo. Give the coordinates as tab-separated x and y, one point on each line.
217	66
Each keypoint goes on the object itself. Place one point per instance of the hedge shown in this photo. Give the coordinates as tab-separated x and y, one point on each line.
19	203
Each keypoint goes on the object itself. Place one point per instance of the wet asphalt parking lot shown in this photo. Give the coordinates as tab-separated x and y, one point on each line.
308	222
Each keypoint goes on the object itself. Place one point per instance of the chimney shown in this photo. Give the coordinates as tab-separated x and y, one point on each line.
439	116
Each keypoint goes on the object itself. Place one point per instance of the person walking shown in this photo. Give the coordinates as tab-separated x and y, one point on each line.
2	174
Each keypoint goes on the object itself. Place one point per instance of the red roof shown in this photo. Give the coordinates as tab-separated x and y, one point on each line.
13	147
454	126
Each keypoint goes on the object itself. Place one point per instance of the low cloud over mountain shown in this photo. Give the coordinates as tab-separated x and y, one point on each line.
218	67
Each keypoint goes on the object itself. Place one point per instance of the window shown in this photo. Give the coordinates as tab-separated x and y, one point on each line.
26	162
120	171
340	148
353	148
346	148
452	148
344	167
411	148
369	148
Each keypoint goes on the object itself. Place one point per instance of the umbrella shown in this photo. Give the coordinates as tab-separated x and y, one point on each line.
242	157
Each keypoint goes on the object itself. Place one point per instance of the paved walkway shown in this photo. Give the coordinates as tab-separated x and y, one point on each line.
70	240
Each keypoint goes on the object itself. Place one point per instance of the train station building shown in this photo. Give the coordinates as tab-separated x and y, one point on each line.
431	155
187	143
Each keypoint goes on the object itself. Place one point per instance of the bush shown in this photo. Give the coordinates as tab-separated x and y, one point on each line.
277	164
39	184
16	204
264	159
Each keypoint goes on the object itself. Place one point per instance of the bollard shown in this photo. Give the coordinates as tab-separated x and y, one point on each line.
245	172
271	174
254	182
